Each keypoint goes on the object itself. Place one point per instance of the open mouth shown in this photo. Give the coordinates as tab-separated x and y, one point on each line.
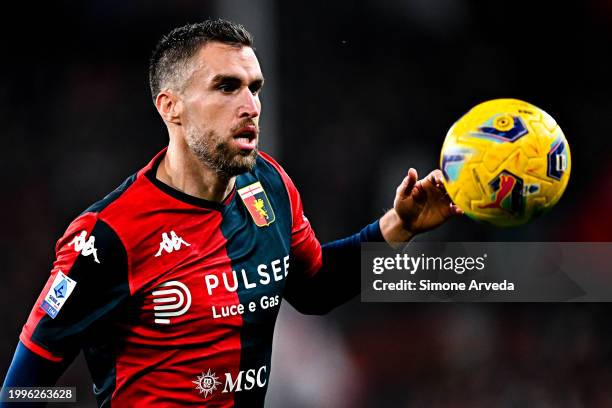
246	138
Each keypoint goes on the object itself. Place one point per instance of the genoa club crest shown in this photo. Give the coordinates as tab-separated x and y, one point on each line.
255	199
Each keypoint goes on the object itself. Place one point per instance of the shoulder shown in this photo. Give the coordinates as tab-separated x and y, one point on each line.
265	160
266	164
93	228
91	242
119	207
113	196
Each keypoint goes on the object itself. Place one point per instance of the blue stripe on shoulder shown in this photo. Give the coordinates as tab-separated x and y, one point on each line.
115	194
272	181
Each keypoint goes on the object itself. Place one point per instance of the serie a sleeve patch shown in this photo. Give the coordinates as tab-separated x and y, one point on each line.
57	295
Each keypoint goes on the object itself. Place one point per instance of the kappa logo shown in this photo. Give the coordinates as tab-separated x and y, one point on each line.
85	247
245	380
172	299
170	243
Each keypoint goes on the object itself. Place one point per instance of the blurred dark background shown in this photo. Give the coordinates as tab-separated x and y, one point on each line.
356	92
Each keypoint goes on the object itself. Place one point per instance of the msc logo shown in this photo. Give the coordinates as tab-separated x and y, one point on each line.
252	378
207	383
171	299
245	380
85	247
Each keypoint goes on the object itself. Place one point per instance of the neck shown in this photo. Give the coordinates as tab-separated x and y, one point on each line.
182	170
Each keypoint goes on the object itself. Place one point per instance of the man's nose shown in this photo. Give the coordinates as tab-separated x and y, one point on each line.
249	106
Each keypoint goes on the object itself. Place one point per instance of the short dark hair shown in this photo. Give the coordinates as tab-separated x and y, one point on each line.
176	48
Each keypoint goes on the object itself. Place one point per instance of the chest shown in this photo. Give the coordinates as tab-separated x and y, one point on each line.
201	273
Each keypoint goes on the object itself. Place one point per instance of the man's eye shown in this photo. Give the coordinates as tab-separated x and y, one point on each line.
227	88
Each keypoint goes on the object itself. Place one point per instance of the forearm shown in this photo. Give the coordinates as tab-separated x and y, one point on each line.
392	228
30	370
338	279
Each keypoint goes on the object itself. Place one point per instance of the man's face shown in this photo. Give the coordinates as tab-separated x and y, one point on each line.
221	107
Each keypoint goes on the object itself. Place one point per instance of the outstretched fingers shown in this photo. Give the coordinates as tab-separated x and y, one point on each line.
455	209
405	188
437	179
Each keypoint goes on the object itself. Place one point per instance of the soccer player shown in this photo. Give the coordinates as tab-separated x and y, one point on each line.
171	284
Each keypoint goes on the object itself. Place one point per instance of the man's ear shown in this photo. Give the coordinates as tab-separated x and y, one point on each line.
169	106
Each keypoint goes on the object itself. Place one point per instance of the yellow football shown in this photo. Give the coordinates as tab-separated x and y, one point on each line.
505	162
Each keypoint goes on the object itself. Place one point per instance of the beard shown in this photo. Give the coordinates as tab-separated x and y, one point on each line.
216	153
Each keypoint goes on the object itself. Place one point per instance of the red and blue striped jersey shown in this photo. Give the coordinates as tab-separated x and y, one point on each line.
172	298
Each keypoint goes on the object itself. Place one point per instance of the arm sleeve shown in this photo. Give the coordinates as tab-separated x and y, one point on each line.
30	370
321	277
337	280
87	284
